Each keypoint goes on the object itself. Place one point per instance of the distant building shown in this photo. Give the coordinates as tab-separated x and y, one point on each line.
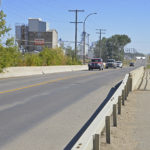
22	36
35	36
80	46
38	40
91	50
37	25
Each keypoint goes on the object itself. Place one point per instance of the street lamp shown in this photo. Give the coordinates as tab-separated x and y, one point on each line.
84	34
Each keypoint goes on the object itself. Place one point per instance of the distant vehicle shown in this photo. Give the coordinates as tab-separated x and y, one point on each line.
96	63
36	51
131	64
119	64
139	57
111	63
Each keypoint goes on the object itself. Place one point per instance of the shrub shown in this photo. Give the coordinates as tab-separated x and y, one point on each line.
10	56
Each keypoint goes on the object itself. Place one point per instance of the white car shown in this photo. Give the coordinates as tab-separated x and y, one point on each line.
119	64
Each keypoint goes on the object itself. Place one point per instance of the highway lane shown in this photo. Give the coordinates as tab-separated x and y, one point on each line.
26	102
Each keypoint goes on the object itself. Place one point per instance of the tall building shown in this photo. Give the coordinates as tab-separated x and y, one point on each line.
36	35
37	25
22	36
38	40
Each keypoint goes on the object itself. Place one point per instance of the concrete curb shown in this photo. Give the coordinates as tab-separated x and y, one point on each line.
39	70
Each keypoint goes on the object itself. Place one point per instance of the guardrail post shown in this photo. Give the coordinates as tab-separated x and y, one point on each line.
123	96
125	92
130	84
119	105
96	142
127	87
107	122
115	115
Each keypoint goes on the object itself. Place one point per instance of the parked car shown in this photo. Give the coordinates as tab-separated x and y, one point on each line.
131	64
111	63
119	64
96	63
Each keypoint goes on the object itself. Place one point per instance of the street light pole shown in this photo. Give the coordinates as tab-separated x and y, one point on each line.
84	35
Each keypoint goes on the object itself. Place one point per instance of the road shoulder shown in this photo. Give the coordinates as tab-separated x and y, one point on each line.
133	128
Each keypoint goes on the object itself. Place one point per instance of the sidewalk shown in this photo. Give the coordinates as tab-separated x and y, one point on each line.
133	131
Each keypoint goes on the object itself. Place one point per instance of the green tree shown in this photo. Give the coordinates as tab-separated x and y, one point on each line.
3	28
31	60
69	52
112	47
52	56
9	55
10	42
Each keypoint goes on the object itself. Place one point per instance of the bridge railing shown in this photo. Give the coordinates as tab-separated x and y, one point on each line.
90	139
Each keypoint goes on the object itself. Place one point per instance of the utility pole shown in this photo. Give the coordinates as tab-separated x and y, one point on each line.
101	31
76	27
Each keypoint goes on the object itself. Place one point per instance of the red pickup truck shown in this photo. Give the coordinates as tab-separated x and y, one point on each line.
96	63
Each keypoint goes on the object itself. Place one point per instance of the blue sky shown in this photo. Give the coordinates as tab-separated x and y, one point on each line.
131	17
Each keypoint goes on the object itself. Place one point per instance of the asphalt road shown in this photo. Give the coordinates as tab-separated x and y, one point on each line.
55	104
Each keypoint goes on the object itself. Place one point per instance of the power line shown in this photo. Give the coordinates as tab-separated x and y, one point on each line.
76	26
101	31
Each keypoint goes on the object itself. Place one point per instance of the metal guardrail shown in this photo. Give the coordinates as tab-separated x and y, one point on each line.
89	140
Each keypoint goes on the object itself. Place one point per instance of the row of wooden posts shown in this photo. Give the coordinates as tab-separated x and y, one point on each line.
121	101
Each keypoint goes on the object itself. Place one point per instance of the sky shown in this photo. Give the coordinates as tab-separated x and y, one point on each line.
130	17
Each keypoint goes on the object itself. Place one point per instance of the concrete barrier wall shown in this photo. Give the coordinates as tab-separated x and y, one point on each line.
136	76
27	71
